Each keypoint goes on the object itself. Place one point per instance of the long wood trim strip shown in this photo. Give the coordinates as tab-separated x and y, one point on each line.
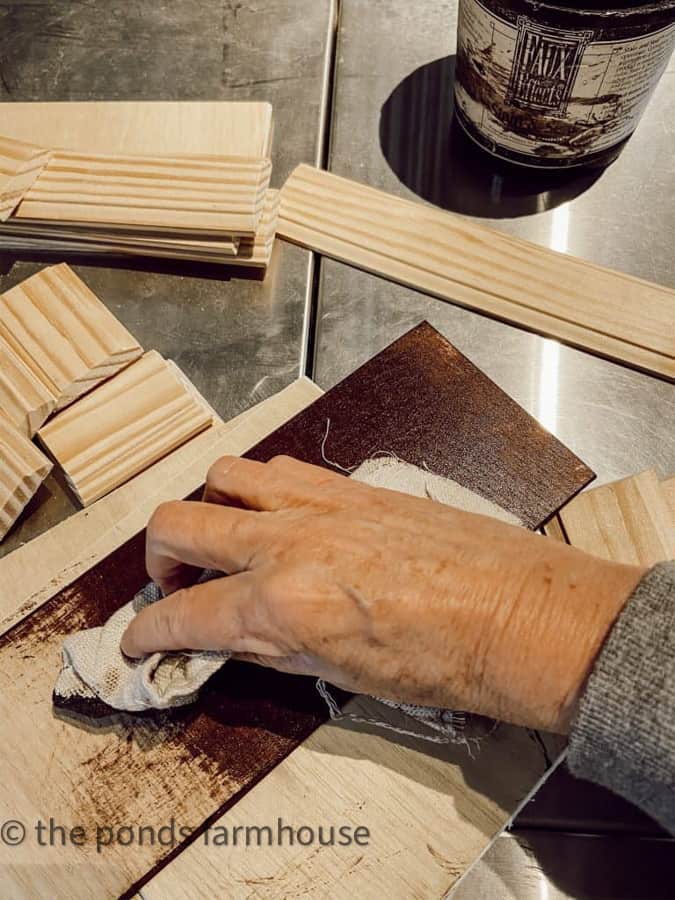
36	571
245	251
613	315
214	195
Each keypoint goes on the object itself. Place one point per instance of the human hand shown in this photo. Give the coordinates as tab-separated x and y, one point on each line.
379	592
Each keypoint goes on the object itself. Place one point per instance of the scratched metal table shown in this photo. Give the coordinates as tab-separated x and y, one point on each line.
391	127
238	340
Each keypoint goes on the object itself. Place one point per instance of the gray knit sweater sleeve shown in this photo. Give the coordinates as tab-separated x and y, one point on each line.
624	733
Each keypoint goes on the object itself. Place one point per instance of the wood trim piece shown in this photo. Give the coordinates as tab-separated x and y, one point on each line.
614	315
22	470
123	427
23	398
668	487
64	334
192	195
173	128
627	521
245	251
20	165
33	573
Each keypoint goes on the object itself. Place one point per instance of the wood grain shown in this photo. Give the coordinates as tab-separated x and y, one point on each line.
143	127
20	165
64	334
196	763
626	521
613	315
668	486
34	572
23	398
22	470
124	426
173	195
255	252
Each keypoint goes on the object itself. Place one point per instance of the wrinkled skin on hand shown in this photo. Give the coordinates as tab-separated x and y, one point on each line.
379	593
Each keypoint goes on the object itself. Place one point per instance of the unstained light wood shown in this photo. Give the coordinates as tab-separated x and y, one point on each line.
24	399
151	128
20	165
596	309
627	521
34	572
22	470
124	426
172	195
64	334
245	251
668	487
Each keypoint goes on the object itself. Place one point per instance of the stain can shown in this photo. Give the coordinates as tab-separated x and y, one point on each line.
553	86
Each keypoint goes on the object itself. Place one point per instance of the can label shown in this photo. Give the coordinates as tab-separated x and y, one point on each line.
549	94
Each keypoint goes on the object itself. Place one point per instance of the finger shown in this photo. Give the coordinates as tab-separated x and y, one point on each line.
185	537
216	615
281	483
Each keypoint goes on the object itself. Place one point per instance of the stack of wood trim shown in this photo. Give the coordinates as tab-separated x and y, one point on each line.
137	181
124	426
22	470
611	314
62	333
629	521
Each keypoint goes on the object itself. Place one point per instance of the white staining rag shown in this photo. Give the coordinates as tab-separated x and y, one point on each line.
95	669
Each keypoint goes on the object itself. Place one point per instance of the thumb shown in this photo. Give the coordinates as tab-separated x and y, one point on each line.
210	616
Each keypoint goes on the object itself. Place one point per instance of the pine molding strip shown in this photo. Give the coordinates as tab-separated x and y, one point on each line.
188	195
124	426
615	316
20	165
63	333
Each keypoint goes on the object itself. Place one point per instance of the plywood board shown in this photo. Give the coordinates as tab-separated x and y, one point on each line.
20	165
63	333
24	399
123	427
34	572
614	315
173	195
171	128
626	521
22	470
192	765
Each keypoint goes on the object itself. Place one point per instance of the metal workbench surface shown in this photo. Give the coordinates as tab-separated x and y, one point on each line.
238	339
392	127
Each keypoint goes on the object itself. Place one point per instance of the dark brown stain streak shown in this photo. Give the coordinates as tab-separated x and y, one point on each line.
421	399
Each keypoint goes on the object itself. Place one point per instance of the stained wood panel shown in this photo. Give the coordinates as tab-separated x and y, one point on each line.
176	195
626	521
23	398
20	165
194	764
614	315
124	426
172	128
22	470
63	333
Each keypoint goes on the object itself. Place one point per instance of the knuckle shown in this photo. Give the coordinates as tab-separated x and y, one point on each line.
163	518
281	462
